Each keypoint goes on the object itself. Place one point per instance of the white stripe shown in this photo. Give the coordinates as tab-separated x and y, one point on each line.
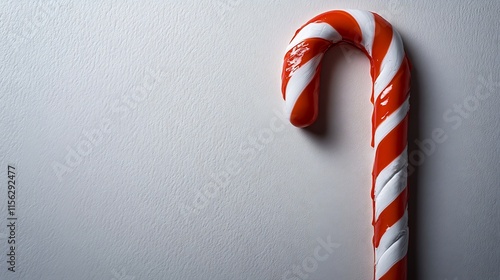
299	81
392	234
390	64
386	174
315	30
391	122
394	253
390	191
366	22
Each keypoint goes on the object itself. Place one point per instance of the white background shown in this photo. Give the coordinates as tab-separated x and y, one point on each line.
133	204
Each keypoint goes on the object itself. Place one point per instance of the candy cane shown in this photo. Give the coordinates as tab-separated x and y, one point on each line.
390	71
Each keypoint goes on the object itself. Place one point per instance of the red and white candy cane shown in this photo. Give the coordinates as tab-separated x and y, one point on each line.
390	71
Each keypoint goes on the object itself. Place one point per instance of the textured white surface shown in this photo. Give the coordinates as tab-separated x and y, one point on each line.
186	94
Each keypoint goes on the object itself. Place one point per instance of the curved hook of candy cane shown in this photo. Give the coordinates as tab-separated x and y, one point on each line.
390	71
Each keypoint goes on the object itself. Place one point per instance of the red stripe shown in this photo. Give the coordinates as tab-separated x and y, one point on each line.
382	41
393	96
300	55
305	110
397	271
390	216
390	147
345	24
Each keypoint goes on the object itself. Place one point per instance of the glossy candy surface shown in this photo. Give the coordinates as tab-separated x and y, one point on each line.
390	72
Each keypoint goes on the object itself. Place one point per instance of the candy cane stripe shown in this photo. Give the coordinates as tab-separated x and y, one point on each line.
397	271
391	122
366	21
390	170
299	81
300	55
390	192
388	103
392	234
390	147
315	30
381	43
392	255
390	65
390	72
346	25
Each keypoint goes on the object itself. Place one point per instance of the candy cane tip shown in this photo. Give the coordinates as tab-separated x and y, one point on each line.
303	120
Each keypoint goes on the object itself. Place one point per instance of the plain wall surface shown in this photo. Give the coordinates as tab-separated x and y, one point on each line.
149	143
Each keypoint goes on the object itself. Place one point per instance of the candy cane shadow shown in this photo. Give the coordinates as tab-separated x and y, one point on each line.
414	133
